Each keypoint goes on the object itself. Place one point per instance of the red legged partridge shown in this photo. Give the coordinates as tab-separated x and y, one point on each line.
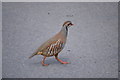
54	45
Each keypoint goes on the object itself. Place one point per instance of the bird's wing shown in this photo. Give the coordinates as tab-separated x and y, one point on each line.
43	47
52	41
46	44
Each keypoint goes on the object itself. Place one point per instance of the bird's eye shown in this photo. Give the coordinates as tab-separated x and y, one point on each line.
69	24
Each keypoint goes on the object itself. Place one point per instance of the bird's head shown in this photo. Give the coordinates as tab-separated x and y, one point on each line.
67	24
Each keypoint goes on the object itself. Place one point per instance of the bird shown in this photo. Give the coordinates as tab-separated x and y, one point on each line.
54	45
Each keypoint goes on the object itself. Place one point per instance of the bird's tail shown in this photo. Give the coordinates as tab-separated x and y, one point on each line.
33	55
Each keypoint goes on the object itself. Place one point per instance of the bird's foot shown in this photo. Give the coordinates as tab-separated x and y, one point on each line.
62	62
65	62
45	64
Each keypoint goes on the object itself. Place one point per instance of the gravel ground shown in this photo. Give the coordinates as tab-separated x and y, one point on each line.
92	45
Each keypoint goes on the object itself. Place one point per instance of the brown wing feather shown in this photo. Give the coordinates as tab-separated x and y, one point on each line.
45	46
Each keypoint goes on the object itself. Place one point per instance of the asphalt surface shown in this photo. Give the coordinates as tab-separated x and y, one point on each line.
92	45
1	39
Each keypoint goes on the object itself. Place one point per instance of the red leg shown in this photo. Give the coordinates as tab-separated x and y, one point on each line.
44	61
61	60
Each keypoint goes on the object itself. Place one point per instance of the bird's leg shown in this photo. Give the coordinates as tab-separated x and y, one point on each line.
44	61
56	57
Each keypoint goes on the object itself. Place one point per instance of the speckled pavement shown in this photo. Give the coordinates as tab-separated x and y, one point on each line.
92	45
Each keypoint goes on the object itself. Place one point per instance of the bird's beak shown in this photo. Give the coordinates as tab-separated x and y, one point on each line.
72	24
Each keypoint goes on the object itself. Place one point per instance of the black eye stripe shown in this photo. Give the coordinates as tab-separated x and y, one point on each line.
69	24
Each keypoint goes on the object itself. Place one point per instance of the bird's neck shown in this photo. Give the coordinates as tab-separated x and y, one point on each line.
64	31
